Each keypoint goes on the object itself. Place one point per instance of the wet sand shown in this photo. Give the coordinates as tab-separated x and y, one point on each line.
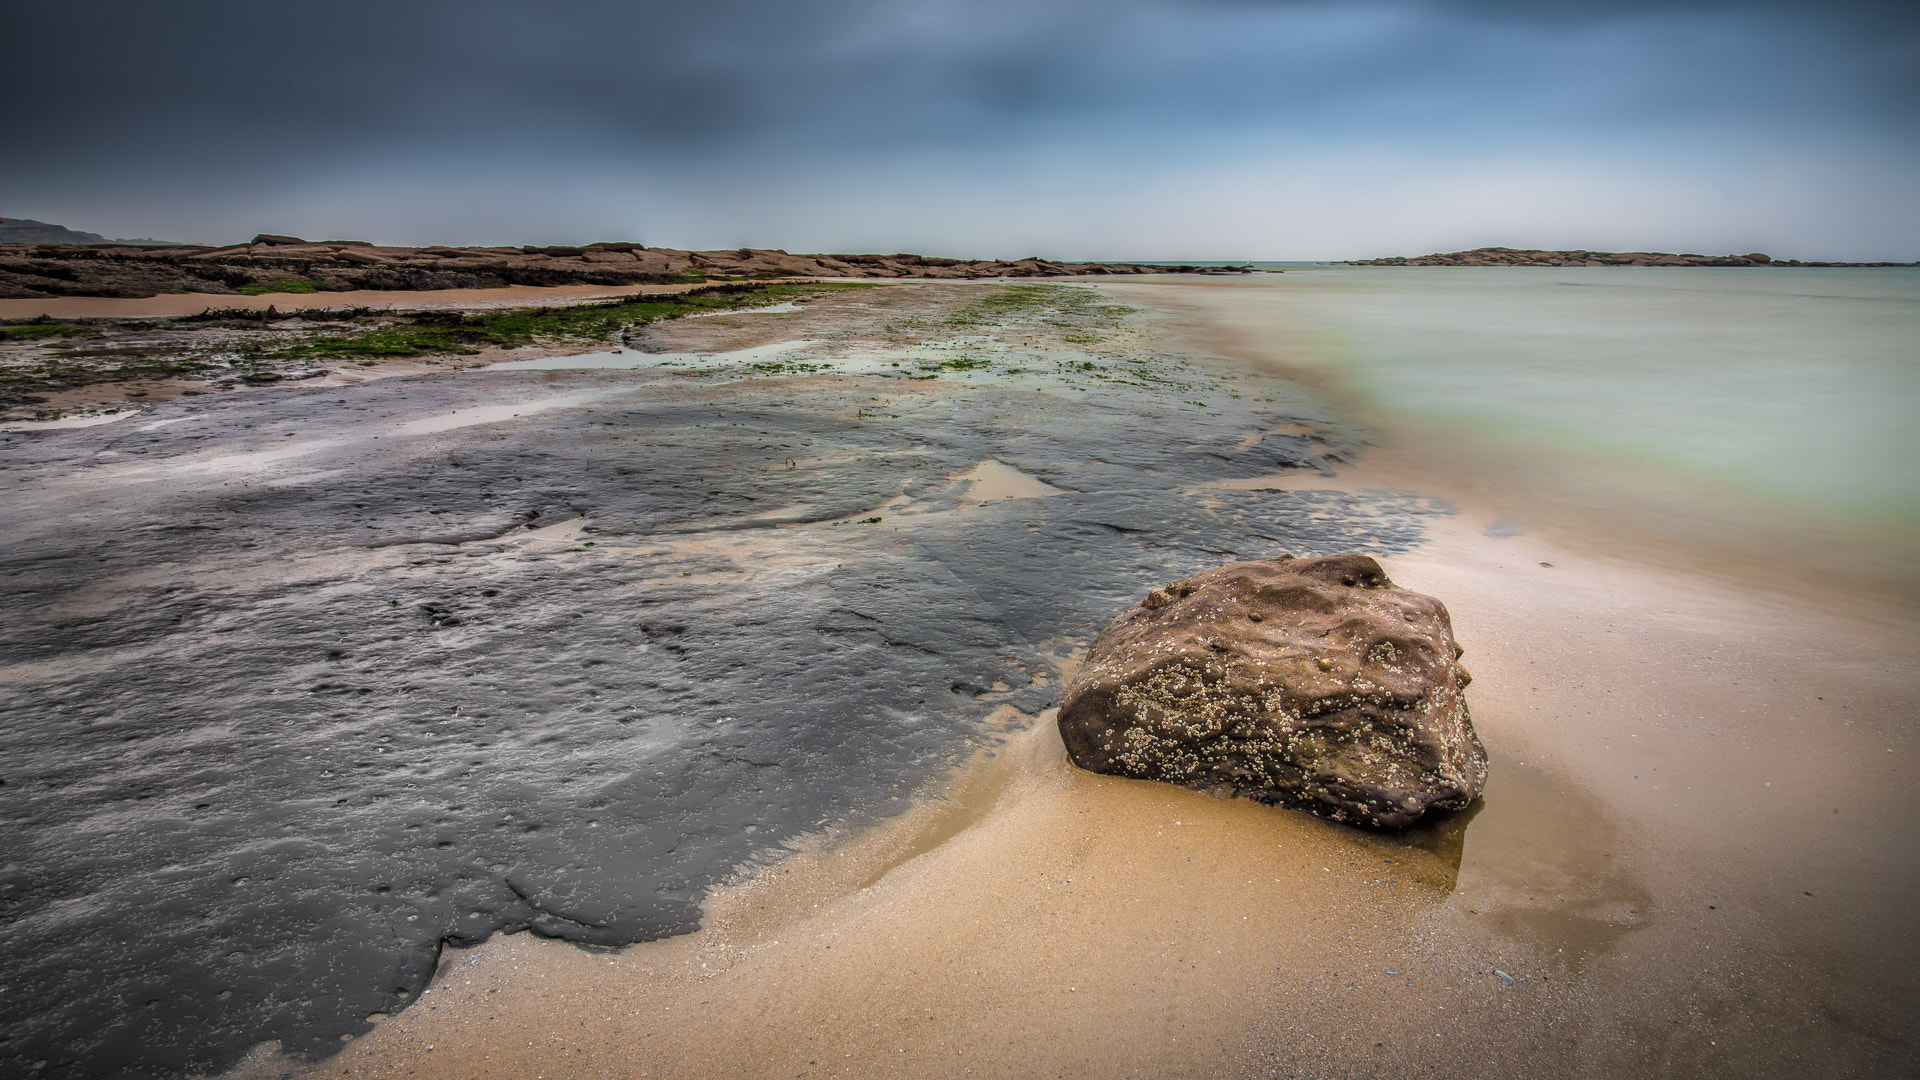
1695	857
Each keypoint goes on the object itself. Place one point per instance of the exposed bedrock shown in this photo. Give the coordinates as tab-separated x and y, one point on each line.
276	263
1312	683
281	716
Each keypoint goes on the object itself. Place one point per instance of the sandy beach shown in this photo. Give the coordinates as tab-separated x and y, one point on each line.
1683	870
1693	859
760	631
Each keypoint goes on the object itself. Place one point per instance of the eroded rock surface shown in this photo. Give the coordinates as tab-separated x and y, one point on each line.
29	270
1312	683
299	685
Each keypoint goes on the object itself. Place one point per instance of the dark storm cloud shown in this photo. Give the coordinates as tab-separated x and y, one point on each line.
198	101
473	79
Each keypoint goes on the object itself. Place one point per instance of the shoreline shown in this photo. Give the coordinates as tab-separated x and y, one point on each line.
1638	918
1663	878
563	649
795	594
1601	504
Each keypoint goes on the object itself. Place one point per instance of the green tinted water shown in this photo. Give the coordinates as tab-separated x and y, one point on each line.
1800	385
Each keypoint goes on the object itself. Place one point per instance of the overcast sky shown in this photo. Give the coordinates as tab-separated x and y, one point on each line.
1118	129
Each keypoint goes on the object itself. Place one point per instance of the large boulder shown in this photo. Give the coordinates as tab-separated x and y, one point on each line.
1310	683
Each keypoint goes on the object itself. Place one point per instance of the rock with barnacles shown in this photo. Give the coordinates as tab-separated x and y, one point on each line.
1310	683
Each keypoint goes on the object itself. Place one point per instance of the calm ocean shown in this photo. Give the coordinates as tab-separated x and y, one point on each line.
1794	391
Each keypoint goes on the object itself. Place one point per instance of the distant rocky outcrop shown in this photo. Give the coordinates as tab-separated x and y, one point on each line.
1499	256
29	231
1311	683
288	263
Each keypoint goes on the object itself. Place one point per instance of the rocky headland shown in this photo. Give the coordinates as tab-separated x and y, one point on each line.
15	230
1499	256
289	264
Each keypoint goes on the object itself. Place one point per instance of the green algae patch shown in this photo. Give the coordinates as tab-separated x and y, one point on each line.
962	363
281	285
40	331
454	333
1054	306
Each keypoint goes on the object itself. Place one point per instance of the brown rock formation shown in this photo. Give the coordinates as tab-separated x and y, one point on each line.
39	270
1311	683
1499	256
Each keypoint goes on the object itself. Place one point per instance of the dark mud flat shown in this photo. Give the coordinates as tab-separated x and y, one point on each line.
302	685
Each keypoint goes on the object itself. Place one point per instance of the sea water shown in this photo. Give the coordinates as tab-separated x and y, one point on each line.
1796	390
